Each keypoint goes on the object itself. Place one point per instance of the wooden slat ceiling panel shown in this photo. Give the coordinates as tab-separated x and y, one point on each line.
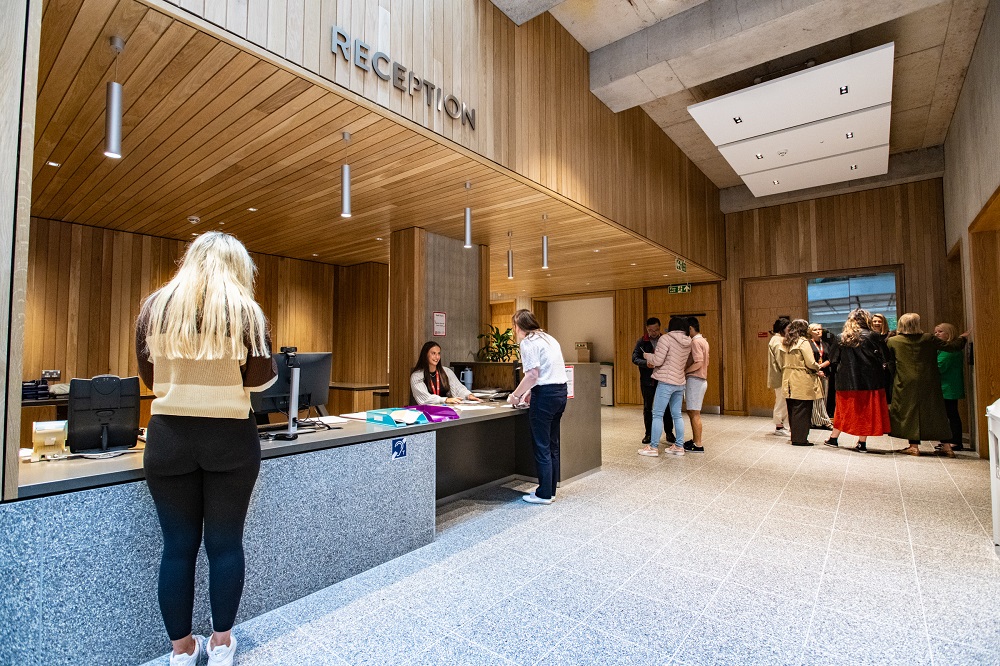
211	131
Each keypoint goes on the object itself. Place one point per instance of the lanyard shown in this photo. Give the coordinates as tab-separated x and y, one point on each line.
436	385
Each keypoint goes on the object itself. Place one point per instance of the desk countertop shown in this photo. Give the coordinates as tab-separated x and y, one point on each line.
60	476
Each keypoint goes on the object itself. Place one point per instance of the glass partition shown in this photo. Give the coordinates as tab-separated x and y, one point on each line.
831	299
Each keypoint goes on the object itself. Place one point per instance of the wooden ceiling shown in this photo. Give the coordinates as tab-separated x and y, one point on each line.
211	131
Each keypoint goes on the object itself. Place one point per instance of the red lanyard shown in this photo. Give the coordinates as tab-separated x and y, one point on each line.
819	345
436	386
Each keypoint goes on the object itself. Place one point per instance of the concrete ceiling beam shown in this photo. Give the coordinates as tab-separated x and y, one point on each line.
522	11
719	37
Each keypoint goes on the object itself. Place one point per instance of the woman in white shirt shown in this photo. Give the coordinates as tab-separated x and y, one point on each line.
545	378
433	384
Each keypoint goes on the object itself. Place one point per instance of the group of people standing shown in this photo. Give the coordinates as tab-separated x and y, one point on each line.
874	381
673	367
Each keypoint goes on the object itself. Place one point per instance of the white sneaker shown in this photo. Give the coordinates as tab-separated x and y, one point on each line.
676	450
532	498
782	432
189	659
222	655
649	451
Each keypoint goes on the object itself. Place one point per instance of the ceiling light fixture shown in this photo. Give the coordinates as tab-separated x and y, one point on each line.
345	183
252	210
631	264
113	111
854	167
53	164
759	156
775	182
843	90
850	135
737	120
545	243
194	219
468	217
510	256
378	238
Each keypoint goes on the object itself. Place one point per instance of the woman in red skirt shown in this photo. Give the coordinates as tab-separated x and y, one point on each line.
861	405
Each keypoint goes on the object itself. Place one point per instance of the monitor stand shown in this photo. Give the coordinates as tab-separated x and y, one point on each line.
293	403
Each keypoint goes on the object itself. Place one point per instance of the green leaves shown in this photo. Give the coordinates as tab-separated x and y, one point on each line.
498	347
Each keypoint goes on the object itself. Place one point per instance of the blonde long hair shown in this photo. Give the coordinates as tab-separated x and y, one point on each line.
859	320
207	310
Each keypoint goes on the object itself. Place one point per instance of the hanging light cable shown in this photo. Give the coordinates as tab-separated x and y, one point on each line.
113	111
345	184
545	242
510	256
468	217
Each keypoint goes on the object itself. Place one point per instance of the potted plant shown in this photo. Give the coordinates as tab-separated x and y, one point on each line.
498	347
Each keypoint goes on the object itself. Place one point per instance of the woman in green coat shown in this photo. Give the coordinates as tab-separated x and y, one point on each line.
951	367
917	410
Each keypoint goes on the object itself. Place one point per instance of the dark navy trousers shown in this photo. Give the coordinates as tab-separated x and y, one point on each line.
548	402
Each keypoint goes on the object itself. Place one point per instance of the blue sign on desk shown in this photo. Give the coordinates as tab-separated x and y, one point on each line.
399	448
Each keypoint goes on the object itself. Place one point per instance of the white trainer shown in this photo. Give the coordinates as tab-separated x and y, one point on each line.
222	655
532	498
184	659
649	451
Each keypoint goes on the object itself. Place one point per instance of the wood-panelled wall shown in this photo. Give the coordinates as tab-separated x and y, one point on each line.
361	324
407	307
85	286
501	314
630	319
530	88
985	265
898	225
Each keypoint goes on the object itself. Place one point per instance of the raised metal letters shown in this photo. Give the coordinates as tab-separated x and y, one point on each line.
402	78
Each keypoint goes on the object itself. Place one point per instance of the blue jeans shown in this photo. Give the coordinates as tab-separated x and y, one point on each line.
548	402
667	394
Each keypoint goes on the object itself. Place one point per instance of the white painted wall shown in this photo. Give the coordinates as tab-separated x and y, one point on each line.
584	320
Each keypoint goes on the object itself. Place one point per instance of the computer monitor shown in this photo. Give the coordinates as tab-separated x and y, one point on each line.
314	384
103	414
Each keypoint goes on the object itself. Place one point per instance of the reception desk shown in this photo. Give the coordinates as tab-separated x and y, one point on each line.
81	551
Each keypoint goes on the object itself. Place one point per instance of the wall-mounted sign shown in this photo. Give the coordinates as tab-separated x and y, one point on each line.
681	265
402	78
679	289
569	381
440	323
763	334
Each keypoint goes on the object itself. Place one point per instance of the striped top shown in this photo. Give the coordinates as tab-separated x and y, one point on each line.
210	388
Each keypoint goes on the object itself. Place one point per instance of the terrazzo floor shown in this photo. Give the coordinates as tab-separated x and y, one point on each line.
755	552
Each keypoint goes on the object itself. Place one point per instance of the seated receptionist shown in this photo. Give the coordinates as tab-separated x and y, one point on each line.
433	384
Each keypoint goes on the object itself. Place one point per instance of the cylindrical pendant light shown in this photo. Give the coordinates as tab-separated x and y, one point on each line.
468	217
545	244
510	257
113	109
113	121
345	184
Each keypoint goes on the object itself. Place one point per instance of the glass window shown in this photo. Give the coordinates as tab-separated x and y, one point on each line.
831	299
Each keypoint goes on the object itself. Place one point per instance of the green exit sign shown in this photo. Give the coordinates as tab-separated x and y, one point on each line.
679	289
681	265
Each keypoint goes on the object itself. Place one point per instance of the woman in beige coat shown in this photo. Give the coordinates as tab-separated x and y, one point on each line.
799	379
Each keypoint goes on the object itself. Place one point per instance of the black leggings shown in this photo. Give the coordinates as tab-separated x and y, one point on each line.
201	471
799	419
955	420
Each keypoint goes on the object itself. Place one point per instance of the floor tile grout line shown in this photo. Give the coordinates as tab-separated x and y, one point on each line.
826	560
986	530
629	578
913	554
701	615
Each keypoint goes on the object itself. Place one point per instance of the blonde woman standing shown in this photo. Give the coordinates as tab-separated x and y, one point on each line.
821	354
202	344
799	379
951	367
917	411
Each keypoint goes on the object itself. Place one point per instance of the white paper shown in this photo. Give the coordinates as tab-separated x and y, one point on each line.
471	408
407	416
569	381
330	420
357	416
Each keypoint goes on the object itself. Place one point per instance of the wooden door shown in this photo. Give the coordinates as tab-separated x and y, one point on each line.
763	302
701	302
